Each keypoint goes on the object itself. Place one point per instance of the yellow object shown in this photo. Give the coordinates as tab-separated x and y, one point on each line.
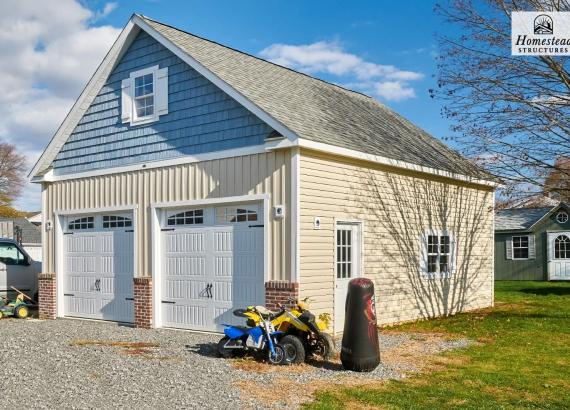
23	312
288	317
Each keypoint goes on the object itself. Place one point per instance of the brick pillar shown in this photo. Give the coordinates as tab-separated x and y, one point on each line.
279	292
47	295
143	302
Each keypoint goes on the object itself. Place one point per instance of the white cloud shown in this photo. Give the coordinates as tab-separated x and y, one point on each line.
49	52
394	90
385	81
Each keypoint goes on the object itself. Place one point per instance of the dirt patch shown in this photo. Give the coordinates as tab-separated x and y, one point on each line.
145	350
418	352
251	365
124	345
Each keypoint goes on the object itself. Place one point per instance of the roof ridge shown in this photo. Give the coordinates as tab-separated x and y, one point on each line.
259	58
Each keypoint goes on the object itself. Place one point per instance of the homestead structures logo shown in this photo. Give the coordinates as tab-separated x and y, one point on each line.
539	33
543	24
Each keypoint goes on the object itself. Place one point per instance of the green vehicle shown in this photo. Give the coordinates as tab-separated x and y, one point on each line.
17	308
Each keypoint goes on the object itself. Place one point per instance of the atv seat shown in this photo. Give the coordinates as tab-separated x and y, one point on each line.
270	314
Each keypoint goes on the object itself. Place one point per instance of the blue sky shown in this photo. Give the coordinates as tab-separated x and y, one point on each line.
386	49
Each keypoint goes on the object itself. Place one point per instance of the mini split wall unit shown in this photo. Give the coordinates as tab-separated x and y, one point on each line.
190	179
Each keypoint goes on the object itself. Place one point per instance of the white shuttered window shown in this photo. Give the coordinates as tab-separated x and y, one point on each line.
144	96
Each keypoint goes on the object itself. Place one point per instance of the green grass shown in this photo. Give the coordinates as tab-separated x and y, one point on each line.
522	359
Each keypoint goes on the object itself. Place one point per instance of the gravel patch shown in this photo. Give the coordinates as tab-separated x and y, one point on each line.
80	364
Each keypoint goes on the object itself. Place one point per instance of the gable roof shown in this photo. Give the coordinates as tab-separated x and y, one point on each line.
297	105
514	219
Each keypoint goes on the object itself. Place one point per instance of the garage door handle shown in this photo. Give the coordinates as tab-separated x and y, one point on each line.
168	302
256	226
129	298
68	294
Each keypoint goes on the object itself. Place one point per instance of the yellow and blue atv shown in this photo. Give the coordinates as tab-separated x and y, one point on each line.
303	335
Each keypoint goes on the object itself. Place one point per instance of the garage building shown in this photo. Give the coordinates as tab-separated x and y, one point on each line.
190	179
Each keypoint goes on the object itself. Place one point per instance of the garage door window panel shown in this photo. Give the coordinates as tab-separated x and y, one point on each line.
81	224
236	214
115	221
192	217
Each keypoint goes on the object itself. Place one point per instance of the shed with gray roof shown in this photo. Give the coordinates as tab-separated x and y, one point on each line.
530	243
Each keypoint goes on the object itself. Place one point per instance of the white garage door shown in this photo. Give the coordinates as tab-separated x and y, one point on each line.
98	254
212	264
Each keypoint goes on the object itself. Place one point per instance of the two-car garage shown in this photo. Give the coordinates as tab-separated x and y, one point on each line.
210	261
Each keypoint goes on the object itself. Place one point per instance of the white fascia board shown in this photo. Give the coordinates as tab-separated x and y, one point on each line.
83	211
189	159
228	89
86	98
346	152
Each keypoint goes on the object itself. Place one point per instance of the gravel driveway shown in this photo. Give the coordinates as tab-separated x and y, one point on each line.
86	364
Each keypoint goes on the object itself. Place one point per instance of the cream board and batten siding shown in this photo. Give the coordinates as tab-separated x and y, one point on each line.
337	189
265	173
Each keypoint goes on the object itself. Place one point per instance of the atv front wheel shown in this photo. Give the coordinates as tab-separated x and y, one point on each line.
294	350
279	355
223	351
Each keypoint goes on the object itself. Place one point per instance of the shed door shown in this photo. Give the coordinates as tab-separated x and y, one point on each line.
99	267
348	266
559	255
212	264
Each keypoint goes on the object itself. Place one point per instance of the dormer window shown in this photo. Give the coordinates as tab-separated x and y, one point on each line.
144	96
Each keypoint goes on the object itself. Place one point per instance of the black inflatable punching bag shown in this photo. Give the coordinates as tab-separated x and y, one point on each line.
360	351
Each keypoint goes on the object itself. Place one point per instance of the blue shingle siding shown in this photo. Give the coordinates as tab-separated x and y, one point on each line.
201	118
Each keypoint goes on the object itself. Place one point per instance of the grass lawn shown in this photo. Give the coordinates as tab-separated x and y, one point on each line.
521	360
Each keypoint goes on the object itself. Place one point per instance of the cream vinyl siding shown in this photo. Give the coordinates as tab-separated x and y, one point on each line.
396	208
267	173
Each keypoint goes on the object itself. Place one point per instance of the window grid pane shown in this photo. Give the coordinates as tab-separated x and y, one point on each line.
520	247
438	254
562	247
236	214
114	221
193	217
344	254
81	223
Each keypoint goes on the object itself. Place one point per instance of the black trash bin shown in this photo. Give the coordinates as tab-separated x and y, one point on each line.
360	351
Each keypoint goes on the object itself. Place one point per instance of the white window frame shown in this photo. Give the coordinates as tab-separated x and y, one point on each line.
562	215
159	94
521	247
424	254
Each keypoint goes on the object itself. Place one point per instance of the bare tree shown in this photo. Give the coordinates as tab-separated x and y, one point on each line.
510	113
12	172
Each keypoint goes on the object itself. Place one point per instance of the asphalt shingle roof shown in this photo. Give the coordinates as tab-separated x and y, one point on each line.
518	218
319	111
30	232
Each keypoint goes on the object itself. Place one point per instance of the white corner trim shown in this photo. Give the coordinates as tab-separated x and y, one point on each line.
346	152
232	92
295	219
86	98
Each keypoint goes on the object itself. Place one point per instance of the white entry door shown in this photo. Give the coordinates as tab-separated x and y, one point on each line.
559	256
99	267
348	245
212	264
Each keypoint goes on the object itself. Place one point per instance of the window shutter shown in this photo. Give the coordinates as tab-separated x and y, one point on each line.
509	246
423	255
161	91
531	247
126	100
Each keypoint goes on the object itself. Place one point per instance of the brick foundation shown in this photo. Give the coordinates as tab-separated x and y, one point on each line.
143	302
47	296
278	292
